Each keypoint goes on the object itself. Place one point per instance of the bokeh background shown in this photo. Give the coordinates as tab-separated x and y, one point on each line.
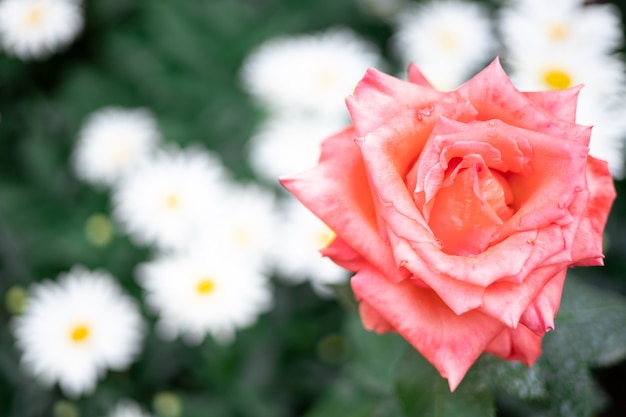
304	353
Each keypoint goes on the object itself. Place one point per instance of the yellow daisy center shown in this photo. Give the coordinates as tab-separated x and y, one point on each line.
172	201
205	286
324	237
80	333
557	79
558	32
34	16
325	78
447	40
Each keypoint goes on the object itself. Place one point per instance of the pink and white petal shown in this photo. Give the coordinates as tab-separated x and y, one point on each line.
451	342
337	191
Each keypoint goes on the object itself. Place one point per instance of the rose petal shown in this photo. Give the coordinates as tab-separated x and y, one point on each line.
540	314
380	97
508	301
344	255
587	250
450	342
516	345
337	191
559	103
372	320
416	77
493	94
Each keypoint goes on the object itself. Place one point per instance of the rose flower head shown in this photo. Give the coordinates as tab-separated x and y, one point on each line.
460	211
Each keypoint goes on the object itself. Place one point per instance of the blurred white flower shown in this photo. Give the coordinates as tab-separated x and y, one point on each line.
297	253
286	145
111	142
563	43
608	134
244	223
538	25
208	290
448	40
165	200
127	408
74	329
308	73
32	29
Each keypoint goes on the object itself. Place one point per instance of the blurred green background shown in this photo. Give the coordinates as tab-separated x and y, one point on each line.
181	59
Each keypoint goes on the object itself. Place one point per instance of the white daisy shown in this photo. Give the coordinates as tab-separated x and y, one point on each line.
111	142
528	26
74	329
127	408
166	199
31	29
297	253
449	40
244	222
565	44
208	290
609	130
285	145
308	73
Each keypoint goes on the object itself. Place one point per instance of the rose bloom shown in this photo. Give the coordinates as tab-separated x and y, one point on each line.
460	212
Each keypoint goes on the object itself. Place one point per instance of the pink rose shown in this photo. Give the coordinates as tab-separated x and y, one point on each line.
460	211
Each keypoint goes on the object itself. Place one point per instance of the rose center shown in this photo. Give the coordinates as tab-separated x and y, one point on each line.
471	206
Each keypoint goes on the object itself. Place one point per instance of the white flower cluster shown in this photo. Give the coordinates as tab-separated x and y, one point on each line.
302	81
564	43
35	29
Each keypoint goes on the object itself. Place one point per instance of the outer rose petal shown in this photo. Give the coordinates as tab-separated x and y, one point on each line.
540	314
372	320
337	191
379	97
344	256
559	103
519	344
587	249
492	93
416	77
452	343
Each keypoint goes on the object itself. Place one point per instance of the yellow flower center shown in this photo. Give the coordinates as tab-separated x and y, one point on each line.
558	32
325	78
447	40
557	79
242	236
79	333
205	286
324	237
34	16
172	201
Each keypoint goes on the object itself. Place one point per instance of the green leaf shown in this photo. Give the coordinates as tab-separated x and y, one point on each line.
513	378
423	392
